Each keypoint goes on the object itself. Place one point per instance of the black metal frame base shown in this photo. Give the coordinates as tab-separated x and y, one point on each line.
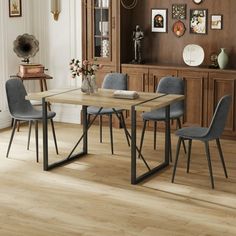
134	178
137	179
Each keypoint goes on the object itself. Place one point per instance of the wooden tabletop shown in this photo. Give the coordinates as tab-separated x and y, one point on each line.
104	98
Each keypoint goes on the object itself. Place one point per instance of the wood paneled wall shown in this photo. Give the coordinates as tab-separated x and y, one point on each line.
166	48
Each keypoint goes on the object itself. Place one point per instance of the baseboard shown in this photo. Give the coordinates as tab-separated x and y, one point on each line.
5	119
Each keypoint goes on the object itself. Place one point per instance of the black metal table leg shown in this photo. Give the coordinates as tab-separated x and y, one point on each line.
85	130
83	137
133	145
167	136
164	164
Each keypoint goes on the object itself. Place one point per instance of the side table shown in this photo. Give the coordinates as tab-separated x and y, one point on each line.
42	80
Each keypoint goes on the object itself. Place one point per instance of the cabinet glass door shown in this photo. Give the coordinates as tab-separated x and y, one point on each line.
102	34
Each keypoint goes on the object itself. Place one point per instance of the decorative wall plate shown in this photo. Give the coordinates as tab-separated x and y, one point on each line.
179	28
197	1
193	55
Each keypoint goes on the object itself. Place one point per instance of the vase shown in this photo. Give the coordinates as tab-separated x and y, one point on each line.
89	85
222	59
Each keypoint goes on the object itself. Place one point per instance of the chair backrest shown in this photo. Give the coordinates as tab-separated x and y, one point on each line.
115	81
172	85
219	118
16	93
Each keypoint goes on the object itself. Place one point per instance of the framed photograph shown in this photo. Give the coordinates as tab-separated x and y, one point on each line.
217	22
159	20
198	21
14	8
179	11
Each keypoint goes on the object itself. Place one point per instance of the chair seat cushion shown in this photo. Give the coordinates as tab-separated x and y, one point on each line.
160	114
199	133
94	110
32	115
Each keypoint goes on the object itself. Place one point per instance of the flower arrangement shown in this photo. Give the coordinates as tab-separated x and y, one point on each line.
87	68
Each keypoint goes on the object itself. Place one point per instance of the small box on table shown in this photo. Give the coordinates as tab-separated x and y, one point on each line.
31	70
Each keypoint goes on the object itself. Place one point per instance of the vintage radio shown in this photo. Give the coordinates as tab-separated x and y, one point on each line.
31	70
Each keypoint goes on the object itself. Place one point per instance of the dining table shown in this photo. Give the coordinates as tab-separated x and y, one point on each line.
105	98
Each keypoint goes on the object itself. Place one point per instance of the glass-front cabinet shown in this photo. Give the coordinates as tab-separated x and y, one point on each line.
101	30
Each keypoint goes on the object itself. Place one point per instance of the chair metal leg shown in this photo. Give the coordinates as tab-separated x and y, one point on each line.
12	135
100	125
189	154
111	134
12	122
54	135
36	141
122	119
176	159
209	162
29	134
142	137
221	157
155	136
180	126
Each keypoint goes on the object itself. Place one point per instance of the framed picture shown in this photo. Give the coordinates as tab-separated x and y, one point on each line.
178	28
159	20
217	22
179	11
14	8
198	21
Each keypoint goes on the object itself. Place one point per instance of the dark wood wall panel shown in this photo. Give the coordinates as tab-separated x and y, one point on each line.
166	48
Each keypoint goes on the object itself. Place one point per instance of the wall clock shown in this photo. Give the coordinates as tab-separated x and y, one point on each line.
197	1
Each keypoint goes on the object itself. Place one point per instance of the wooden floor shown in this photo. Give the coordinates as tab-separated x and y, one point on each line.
93	196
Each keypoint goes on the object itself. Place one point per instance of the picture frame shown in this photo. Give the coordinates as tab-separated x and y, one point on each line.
179	11
15	8
159	20
198	21
178	28
216	22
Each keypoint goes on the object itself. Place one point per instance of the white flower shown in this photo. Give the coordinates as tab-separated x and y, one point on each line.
94	67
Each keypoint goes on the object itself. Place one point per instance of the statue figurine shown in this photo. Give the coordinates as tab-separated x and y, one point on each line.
137	38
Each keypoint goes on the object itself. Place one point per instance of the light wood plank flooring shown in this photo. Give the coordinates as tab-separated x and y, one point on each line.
93	196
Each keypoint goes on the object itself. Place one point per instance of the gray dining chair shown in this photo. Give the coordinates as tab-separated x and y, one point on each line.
22	110
168	85
205	135
116	81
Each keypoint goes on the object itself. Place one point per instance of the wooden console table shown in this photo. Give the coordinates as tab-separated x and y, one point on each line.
203	89
42	80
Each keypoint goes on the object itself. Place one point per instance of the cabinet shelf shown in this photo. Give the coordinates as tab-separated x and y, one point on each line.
101	36
101	8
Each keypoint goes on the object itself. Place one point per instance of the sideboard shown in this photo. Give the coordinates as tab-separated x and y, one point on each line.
203	89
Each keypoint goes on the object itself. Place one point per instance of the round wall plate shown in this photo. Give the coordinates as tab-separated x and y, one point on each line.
193	55
197	1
